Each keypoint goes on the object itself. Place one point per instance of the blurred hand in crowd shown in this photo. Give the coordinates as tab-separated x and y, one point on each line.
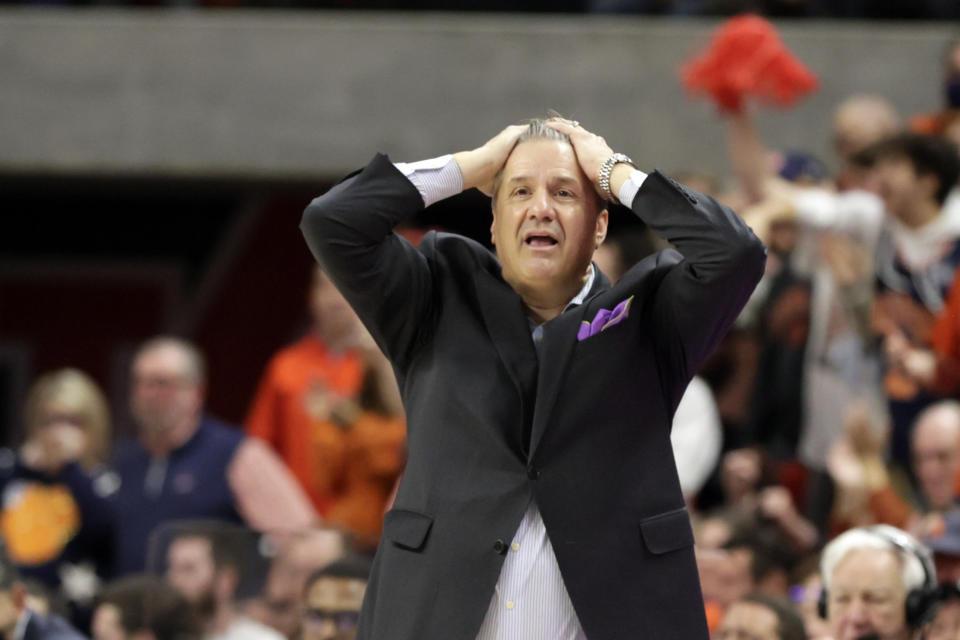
59	441
855	464
848	261
776	503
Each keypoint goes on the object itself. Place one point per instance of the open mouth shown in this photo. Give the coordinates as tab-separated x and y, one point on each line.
540	240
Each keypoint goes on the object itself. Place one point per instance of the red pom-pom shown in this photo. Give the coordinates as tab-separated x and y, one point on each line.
747	57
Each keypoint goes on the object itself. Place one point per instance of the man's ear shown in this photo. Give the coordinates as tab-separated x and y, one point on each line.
493	223
603	220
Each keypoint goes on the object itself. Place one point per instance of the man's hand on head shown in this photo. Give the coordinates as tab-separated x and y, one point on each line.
480	166
592	151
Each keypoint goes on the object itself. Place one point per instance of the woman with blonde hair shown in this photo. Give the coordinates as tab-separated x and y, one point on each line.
54	517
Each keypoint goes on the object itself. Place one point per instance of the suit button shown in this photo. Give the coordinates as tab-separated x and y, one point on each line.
500	547
533	473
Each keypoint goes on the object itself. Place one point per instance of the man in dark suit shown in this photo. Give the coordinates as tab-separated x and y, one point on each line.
540	499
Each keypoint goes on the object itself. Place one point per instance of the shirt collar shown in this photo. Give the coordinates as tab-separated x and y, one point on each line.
21	626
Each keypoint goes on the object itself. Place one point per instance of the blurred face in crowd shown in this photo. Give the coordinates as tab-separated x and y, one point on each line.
333	316
283	593
936	455
107	623
905	193
547	219
748	621
165	392
740	473
946	623
725	574
191	571
59	429
866	595
333	608
860	121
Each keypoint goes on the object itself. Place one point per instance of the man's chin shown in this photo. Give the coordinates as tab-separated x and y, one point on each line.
156	426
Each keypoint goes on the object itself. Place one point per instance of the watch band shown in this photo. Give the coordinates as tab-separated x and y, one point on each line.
603	177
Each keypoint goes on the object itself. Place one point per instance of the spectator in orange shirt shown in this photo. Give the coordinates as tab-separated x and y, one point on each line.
372	436
301	388
330	406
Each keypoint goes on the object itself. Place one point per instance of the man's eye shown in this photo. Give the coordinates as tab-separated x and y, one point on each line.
563	193
521	191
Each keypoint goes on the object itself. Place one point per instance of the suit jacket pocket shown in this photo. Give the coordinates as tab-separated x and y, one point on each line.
667	531
407	529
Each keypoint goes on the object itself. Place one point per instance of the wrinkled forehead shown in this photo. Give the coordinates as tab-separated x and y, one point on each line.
542	156
541	159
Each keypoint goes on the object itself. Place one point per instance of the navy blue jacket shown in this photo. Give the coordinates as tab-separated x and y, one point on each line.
194	486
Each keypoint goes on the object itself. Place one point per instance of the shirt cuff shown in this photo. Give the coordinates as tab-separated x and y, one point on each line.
435	179
628	190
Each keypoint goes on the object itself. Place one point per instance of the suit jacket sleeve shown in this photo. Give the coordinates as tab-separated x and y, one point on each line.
700	297
386	280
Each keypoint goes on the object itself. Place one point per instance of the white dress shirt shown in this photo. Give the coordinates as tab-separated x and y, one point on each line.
530	601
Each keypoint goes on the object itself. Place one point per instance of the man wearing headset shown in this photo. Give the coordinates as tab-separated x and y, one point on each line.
879	584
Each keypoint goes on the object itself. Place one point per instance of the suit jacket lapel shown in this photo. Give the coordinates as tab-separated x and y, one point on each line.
507	323
559	338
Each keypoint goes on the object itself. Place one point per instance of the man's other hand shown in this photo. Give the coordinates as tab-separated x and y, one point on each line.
480	166
592	151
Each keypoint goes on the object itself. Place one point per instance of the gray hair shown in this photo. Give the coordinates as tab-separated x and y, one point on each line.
537	129
907	549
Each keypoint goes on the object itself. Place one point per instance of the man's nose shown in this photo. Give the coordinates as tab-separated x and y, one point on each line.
858	611
541	206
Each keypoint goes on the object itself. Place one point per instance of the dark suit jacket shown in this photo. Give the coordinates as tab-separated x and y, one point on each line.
597	460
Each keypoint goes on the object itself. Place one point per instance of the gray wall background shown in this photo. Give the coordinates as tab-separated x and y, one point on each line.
282	94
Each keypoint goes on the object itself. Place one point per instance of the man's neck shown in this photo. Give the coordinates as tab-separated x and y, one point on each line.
222	619
544	306
921	215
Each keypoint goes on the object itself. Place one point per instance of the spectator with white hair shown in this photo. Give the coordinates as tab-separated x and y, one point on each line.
878	583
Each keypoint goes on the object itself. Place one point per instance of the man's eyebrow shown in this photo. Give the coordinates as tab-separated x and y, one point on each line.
526	178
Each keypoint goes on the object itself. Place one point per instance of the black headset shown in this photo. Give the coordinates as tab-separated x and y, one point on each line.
921	603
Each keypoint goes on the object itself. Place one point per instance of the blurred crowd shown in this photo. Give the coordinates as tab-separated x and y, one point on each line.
818	449
197	528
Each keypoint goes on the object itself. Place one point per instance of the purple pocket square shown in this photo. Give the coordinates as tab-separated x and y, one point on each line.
604	318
